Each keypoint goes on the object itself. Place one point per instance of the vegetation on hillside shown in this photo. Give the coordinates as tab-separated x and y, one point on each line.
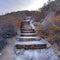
50	28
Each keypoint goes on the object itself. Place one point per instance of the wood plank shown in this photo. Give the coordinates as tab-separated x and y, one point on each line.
27	37
35	46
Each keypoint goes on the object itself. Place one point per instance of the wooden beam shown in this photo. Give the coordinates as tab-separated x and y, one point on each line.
34	46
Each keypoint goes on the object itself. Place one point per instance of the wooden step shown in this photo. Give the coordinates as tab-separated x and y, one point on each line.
26	26
30	39
30	45
25	23
28	34
38	46
27	31
27	37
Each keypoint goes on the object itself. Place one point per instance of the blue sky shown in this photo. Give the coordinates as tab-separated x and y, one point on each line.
7	6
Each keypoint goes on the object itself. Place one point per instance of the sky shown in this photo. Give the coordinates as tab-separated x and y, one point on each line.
7	6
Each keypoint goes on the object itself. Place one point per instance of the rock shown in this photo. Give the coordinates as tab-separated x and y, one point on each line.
2	43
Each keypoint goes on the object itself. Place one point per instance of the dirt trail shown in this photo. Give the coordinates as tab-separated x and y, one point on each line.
8	53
